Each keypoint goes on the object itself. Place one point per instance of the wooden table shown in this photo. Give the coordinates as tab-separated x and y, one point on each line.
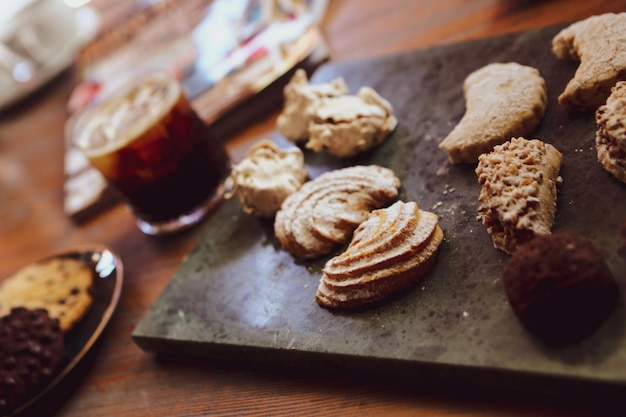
120	379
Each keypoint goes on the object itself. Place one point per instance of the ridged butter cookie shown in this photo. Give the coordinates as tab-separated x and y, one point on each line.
390	252
324	212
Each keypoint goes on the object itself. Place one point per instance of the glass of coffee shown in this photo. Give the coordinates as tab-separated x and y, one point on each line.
150	144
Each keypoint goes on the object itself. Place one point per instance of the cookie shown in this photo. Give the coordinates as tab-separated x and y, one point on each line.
59	285
611	132
266	176
348	125
31	348
598	43
390	252
324	212
559	287
502	101
519	189
300	98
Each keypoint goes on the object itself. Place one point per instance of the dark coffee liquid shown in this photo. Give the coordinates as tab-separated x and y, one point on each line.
174	174
152	146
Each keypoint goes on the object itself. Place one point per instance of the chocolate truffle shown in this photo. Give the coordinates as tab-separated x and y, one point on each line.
560	287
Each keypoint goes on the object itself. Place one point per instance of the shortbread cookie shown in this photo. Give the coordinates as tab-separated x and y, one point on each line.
266	176
59	285
611	133
390	252
324	212
598	43
519	189
348	125
300	97
502	101
31	348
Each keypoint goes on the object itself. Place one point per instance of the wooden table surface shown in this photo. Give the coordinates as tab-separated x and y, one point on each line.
118	379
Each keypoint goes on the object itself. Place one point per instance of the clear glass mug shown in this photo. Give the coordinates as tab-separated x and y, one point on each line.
150	144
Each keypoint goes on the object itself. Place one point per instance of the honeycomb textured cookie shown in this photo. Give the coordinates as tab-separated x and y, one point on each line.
559	287
519	189
502	101
611	132
31	348
324	212
61	286
389	252
598	43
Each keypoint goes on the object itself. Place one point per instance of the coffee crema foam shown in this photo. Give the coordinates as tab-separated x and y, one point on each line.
122	119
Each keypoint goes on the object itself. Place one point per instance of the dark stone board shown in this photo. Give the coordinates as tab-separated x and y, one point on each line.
239	295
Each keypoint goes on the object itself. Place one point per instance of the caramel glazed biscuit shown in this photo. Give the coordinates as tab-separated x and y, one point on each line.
61	286
502	101
598	43
611	133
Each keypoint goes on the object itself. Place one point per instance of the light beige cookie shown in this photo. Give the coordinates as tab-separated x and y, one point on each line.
266	176
611	132
390	252
598	43
324	212
348	125
519	189
300	98
60	285
502	101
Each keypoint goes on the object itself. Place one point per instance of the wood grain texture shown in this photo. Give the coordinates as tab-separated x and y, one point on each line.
118	379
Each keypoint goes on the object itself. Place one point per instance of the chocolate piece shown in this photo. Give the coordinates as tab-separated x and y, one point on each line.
31	347
560	287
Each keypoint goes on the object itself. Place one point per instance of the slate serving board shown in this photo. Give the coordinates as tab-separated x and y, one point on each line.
239	295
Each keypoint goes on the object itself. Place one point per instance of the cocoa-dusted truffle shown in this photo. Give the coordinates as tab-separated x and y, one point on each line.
31	348
560	287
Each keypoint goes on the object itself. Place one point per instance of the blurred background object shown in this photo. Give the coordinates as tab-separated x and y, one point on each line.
232	57
38	40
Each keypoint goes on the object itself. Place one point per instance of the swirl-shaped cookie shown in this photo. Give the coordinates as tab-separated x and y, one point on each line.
324	212
391	251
